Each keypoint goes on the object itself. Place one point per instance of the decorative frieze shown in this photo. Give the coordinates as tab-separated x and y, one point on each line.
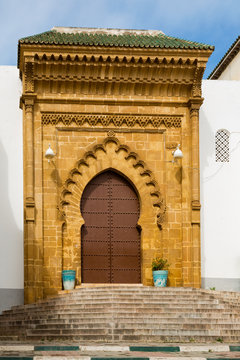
131	121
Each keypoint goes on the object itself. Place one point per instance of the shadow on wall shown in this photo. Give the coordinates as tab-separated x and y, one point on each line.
207	147
11	243
207	137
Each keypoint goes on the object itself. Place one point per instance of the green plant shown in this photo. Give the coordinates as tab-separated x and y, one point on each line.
213	288
220	340
159	264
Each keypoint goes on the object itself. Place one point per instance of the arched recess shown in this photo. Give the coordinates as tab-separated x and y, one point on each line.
112	155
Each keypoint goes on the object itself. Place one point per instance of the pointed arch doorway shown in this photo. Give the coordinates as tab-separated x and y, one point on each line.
110	239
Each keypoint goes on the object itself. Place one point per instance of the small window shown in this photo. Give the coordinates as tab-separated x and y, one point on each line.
222	145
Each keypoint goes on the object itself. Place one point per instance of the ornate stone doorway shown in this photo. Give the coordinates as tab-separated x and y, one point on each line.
110	239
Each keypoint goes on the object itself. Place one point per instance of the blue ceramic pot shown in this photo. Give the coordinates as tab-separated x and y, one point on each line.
68	278
160	278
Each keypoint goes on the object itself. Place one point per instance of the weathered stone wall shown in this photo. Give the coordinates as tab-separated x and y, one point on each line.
152	149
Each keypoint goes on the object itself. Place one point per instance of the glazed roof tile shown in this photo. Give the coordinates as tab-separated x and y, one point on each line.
121	38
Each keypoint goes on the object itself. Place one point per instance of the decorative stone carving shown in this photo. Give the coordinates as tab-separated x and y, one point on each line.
171	146
144	177
29	73
111	133
117	120
197	82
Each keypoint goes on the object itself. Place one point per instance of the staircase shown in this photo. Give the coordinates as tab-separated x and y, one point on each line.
126	314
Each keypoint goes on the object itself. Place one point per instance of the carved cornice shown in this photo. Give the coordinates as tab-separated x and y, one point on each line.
28	101
197	81
127	101
194	105
107	56
129	120
115	75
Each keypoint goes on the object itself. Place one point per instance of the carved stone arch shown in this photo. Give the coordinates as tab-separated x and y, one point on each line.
111	154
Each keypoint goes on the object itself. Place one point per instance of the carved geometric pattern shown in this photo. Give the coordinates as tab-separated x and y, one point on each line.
117	120
29	81
197	82
222	146
145	174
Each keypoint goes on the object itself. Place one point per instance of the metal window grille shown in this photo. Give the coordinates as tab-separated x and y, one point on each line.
222	146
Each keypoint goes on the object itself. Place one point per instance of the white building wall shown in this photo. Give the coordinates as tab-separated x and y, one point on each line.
232	70
11	189
220	187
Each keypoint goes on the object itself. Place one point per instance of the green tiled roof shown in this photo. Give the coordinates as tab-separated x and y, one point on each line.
127	39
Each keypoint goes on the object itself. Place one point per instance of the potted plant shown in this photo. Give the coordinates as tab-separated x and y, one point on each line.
160	272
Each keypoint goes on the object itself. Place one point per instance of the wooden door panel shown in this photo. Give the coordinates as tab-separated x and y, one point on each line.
97	219
125	234
90	246
94	233
91	205
110	240
120	205
96	191
96	262
123	248
128	219
95	276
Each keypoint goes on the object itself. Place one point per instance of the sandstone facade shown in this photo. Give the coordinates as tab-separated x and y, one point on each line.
110	107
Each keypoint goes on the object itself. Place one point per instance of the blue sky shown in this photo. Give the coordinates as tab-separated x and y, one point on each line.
215	22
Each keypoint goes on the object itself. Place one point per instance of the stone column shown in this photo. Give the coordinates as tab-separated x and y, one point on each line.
195	203
29	295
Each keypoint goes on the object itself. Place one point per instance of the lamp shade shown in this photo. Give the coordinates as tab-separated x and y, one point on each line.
177	154
49	154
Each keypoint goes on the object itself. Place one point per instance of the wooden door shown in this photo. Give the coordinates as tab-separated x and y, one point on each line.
110	240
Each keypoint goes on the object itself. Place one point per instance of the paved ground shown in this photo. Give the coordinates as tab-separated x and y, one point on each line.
111	352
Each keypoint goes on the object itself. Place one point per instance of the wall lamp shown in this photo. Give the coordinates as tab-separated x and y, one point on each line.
49	154
177	154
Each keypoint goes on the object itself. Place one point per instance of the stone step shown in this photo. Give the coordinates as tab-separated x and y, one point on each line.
167	332
134	326
122	315
134	321
96	301
107	300
127	313
126	307
115	305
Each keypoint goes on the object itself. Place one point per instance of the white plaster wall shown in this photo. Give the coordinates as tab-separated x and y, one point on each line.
11	180
232	70
220	182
